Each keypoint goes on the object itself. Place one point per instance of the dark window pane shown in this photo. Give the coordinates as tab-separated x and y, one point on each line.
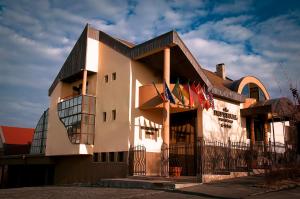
103	157
95	157
104	116
111	156
114	114
114	76
120	156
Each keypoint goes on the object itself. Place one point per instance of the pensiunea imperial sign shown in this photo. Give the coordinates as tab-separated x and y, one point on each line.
225	118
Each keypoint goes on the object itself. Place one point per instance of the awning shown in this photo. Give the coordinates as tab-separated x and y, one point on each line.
278	108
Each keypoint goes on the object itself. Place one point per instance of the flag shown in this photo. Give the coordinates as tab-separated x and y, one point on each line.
158	93
206	100
211	100
168	94
177	92
187	93
201	96
195	94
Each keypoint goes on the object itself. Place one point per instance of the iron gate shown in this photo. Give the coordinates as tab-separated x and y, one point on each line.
186	156
137	160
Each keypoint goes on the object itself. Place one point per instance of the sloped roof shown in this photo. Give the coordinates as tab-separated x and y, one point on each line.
17	135
135	52
279	107
218	81
222	85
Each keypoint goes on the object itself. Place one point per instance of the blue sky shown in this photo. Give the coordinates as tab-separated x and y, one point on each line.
260	38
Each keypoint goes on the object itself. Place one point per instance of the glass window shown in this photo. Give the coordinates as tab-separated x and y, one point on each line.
114	114
79	99
70	113
254	93
75	101
120	156
246	90
262	96
103	157
40	135
106	78
114	76
104	116
111	156
71	102
96	157
63	105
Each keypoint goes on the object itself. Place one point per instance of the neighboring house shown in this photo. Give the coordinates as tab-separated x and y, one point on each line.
15	140
106	118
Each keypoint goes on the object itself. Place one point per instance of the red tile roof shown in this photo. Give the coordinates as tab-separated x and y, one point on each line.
17	135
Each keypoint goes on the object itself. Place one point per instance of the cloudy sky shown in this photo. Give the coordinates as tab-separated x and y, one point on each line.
260	38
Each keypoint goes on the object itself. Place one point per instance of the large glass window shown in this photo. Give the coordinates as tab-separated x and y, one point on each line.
253	91
40	135
78	116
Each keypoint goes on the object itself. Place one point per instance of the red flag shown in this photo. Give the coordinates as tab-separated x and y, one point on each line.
206	101
195	93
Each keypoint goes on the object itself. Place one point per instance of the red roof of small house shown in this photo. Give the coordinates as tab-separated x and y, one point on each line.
17	135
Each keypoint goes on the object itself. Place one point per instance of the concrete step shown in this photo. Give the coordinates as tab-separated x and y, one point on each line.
143	184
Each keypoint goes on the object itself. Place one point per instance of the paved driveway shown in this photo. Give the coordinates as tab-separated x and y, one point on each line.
229	189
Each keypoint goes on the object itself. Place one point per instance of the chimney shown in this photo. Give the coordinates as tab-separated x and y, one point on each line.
220	70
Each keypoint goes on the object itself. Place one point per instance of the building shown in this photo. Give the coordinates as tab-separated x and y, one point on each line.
106	119
15	140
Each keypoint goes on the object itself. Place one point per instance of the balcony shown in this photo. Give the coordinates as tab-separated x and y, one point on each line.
77	113
149	99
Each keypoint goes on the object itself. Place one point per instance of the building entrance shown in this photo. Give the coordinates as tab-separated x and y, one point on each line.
183	148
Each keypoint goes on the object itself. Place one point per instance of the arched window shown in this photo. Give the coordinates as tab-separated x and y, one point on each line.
251	90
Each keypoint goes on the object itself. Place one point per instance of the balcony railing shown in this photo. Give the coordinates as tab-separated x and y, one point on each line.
149	99
78	116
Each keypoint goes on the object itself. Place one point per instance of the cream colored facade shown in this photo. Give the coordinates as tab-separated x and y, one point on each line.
121	86
121	95
212	129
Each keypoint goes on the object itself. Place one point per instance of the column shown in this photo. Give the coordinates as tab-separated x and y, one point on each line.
266	135
84	80
166	105
252	133
166	116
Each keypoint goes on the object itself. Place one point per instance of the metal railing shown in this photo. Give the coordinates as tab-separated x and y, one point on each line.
207	157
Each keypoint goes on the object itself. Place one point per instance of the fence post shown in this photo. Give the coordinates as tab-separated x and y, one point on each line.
228	154
202	156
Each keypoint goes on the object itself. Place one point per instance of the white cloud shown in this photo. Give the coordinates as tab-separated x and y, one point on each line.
274	42
229	29
36	37
236	6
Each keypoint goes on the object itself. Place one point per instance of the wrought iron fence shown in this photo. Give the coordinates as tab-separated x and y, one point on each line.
206	157
222	158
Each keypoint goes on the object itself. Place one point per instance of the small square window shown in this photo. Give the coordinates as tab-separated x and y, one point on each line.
111	156
114	114
104	116
106	78
114	76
